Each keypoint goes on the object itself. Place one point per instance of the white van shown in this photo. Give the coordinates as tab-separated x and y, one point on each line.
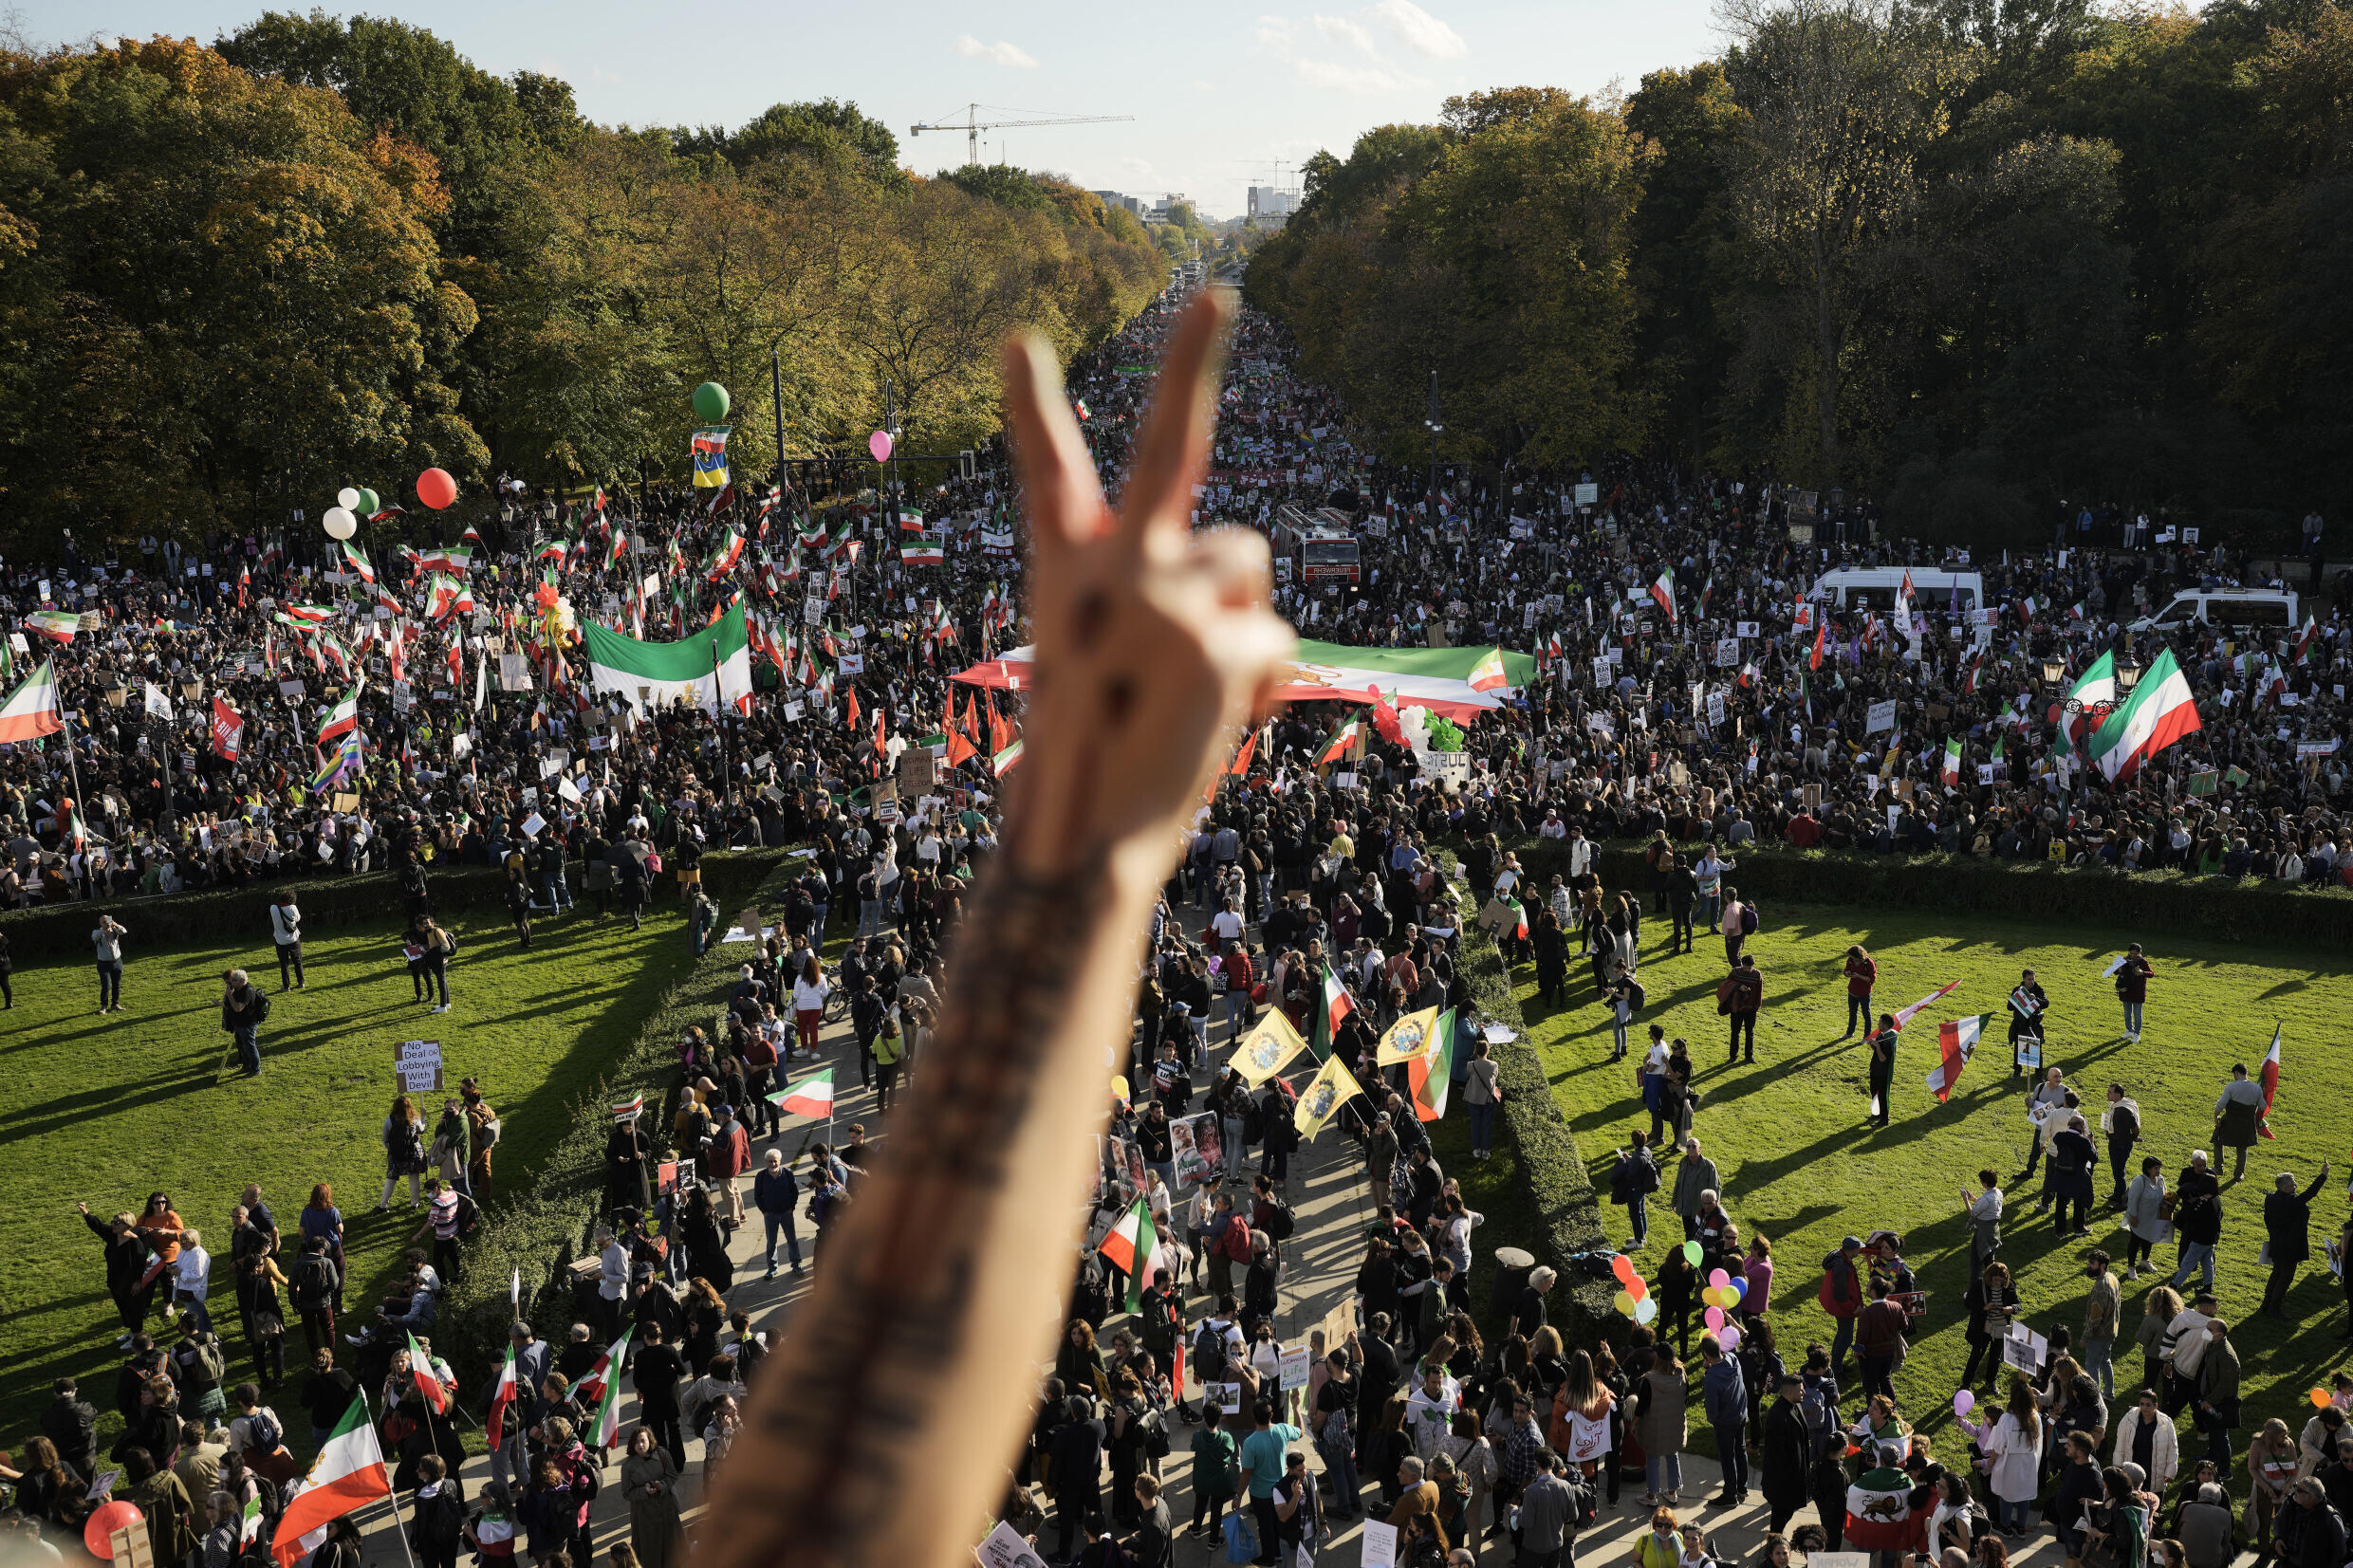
2254	609
1875	588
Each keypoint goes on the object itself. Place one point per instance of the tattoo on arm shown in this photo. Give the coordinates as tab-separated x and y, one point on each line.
897	1278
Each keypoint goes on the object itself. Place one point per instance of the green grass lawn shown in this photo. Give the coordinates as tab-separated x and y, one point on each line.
106	1109
1798	1164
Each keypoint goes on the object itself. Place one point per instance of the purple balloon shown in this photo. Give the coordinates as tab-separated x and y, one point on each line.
879	444
1964	1402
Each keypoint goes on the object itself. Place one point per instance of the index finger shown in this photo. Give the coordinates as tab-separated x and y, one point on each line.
1174	446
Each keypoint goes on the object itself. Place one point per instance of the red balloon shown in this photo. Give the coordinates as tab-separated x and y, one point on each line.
1622	1266
436	488
103	1521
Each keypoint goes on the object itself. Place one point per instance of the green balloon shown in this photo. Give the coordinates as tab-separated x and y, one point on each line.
1691	1253
710	402
368	506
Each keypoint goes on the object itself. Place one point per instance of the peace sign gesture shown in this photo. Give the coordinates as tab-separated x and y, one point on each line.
1151	641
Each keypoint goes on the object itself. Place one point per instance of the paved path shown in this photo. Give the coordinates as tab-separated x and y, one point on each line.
1334	1207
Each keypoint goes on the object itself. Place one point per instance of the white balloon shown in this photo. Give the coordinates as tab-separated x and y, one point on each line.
340	522
346	497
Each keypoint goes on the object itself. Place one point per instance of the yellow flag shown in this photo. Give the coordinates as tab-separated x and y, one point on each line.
1327	1093
1267	1049
1408	1038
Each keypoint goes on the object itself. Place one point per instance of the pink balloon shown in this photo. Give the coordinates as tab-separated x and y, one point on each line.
1718	1279
879	444
1716	1319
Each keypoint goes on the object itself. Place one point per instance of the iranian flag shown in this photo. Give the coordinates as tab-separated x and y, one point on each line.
347	1476
922	555
1336	1004
1431	1074
608	1405
1340	742
358	562
2159	711
308	615
2268	1078
57	625
730	550
1879	1513
605	1373
31	709
421	1368
712	667
1488	673
810	1096
1130	1246
2094	689
626	1110
1905	1016
250	1522
1007	758
342	718
1956	1042
503	1396
1663	590
1951	772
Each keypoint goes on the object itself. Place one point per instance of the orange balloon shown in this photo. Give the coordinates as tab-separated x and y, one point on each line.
1622	1266
2320	1399
1637	1288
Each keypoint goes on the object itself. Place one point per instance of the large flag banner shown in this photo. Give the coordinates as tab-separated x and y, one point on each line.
1266	1049
709	447
31	710
1437	678
1956	1042
1879	1513
227	728
711	668
347	1476
2159	711
57	625
1325	1094
1408	1040
1431	1075
2271	1082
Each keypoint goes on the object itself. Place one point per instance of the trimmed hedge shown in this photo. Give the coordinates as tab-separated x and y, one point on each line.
1570	1209
542	1227
63	930
2128	902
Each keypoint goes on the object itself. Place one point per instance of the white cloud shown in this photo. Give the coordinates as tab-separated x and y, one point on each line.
1272	33
998	53
1420	31
1202	85
1340	29
1354	79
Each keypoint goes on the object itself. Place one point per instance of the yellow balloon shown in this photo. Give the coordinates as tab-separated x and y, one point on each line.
1623	1302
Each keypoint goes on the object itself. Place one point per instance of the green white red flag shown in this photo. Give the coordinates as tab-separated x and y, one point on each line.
1431	1074
347	1476
428	1385
1335	1005
1956	1042
31	710
809	1096
1130	1247
2159	711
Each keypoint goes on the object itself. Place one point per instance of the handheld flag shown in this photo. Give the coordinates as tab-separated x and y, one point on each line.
2159	711
1408	1040
421	1368
1956	1042
348	1475
1335	1005
32	709
501	1398
1663	590
1130	1246
1488	673
1431	1075
2269	1080
810	1096
1905	1016
1325	1094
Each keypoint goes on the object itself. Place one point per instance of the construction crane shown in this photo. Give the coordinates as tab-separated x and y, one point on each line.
971	125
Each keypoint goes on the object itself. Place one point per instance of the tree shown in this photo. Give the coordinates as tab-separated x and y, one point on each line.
1839	100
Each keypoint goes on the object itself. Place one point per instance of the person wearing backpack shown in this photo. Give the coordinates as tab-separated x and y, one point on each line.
1745	985
312	1290
199	1364
2121	1123
436	1514
1841	1295
1738	921
1631	1180
244	1008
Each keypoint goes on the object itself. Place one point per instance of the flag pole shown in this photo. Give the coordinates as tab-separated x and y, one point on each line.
390	1496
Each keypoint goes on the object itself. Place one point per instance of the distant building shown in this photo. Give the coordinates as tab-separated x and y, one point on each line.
1273	205
1160	208
1113	199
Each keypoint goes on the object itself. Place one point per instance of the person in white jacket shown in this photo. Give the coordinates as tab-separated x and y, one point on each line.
2012	1443
2146	1427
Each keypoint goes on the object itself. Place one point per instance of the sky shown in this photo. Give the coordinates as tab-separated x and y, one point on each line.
1222	96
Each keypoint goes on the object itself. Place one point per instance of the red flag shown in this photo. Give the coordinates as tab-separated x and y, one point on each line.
421	1368
853	709
1242	758
881	748
227	728
2270	1079
1822	629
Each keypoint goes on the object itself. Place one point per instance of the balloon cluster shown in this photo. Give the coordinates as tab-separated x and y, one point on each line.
1723	1293
1634	1300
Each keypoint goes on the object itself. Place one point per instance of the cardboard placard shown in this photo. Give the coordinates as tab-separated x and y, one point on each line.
417	1066
344	801
916	771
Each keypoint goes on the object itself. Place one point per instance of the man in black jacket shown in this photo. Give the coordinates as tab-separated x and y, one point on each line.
244	1005
1074	1470
2310	1533
2286	1226
1786	1455
71	1423
126	1263
1376	1381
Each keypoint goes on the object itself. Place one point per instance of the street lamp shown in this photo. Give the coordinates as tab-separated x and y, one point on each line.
2127	676
2054	671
